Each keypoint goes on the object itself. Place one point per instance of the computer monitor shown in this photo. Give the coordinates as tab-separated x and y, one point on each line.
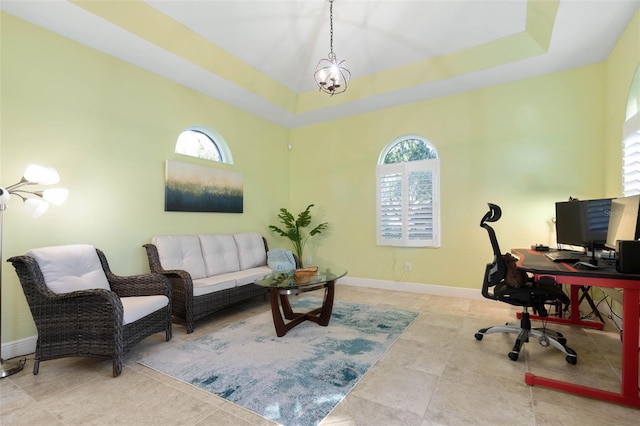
624	220
569	223
596	214
583	223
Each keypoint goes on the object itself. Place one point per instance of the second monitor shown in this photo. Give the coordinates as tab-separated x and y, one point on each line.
624	221
583	223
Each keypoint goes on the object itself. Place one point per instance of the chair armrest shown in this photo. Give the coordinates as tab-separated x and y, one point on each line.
139	285
64	316
135	285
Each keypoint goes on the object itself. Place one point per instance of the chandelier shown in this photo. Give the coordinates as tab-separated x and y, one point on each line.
332	77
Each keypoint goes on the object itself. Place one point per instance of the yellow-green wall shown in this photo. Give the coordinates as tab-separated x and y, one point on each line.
108	128
522	145
509	144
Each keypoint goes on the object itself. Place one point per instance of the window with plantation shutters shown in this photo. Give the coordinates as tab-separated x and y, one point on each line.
631	157
407	195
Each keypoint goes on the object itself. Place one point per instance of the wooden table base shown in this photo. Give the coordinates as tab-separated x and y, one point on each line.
280	297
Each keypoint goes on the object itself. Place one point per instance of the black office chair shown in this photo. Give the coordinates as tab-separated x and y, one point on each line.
530	294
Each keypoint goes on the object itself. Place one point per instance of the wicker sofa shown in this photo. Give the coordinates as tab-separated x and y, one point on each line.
209	272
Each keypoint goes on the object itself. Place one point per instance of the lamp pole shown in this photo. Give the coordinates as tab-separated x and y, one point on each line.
8	367
36	203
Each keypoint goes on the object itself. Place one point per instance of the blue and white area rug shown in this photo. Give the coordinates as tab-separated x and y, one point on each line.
296	379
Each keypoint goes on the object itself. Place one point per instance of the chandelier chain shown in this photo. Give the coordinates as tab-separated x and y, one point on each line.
331	28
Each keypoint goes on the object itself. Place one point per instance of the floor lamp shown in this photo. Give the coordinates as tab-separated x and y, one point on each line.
35	203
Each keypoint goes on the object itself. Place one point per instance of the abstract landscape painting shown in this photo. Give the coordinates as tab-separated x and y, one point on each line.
192	188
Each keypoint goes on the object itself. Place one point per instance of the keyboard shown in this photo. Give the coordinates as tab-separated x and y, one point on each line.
564	256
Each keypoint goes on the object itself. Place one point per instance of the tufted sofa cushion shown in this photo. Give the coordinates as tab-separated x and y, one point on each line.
181	252
220	253
251	252
70	268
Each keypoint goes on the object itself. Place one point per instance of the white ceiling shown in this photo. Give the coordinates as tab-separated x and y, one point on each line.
285	39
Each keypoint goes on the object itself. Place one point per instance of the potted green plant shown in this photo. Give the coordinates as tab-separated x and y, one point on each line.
293	229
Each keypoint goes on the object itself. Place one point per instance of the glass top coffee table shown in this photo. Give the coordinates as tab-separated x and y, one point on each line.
282	284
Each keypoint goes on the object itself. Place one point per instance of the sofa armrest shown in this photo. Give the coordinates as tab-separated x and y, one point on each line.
174	275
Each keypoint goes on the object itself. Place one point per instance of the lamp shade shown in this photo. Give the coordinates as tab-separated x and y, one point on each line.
55	196
41	175
35	207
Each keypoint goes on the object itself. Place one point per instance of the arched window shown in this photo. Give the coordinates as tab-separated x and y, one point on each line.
204	143
408	194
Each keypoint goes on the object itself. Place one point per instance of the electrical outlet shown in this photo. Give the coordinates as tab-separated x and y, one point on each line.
407	266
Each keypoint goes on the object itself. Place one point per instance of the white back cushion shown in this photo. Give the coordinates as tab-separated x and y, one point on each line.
181	252
220	253
70	268
251	251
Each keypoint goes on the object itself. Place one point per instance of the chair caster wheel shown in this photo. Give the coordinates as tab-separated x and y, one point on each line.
479	336
544	342
513	356
573	360
562	340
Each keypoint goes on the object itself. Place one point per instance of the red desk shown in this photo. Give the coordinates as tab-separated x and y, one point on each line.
537	264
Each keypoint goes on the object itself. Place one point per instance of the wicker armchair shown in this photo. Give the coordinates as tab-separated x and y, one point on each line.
93	322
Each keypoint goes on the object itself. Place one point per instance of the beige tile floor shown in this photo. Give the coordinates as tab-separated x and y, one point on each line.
435	374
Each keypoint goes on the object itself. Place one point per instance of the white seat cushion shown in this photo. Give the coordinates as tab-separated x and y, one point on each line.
70	268
181	252
248	276
215	283
138	307
220	253
251	251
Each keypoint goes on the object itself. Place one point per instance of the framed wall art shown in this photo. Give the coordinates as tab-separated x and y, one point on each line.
193	188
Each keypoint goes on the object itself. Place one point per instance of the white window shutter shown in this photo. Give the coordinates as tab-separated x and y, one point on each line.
390	204
407	204
631	157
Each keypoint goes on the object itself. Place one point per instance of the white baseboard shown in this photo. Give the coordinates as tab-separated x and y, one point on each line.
27	345
20	347
436	290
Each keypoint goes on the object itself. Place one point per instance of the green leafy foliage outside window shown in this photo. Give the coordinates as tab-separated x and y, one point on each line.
410	150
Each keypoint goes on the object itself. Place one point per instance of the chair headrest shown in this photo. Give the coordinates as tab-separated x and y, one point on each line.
493	215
